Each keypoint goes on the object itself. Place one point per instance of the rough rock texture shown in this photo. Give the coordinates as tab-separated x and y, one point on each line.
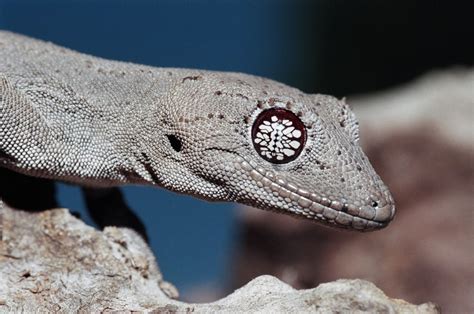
420	140
53	262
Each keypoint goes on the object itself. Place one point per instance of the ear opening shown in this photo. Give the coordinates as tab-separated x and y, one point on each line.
174	142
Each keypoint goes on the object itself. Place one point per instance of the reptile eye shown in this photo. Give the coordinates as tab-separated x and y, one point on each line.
278	135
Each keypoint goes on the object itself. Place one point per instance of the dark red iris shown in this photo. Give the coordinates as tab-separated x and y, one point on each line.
278	135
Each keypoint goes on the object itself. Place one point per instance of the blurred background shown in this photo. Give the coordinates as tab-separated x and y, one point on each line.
406	66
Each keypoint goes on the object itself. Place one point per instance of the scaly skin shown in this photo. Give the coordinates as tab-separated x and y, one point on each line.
95	122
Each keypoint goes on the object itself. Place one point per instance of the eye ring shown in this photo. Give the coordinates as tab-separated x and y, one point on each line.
278	135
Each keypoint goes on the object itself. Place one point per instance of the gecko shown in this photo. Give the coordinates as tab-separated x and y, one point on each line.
218	136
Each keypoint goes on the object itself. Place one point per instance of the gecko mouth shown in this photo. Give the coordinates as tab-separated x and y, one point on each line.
300	202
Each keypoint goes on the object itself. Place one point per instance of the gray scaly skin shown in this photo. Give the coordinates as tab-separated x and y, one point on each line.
94	122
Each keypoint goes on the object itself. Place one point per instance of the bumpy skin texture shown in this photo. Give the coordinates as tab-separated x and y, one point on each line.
95	122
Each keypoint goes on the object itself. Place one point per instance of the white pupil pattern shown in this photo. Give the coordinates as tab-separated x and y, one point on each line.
277	138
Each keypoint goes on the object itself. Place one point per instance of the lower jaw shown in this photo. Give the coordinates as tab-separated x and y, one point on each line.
335	219
298	202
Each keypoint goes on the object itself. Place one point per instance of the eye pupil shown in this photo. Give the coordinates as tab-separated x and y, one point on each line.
278	135
175	142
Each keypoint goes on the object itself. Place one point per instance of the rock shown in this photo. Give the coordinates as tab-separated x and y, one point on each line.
419	138
270	295
439	104
53	262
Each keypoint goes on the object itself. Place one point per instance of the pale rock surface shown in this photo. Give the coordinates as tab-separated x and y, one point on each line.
53	262
440	102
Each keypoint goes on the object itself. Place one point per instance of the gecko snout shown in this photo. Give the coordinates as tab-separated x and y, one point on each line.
384	207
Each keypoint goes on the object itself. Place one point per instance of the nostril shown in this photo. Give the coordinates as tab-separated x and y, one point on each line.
381	206
384	213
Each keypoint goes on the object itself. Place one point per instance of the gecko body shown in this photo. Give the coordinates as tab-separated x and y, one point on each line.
219	136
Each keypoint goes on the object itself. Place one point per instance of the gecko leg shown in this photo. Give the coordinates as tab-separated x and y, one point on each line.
27	193
107	207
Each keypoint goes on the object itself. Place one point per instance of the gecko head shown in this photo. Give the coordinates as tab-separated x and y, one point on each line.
242	138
